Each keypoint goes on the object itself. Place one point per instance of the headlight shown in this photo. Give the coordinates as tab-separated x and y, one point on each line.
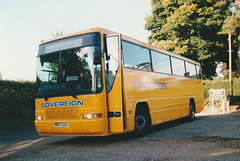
87	116
95	115
39	118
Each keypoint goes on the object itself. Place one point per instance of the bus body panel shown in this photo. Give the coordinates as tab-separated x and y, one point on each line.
70	110
167	96
115	105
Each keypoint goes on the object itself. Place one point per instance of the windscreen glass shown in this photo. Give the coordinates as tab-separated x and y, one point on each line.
69	72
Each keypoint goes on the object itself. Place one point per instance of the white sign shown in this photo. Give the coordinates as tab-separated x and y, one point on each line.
217	94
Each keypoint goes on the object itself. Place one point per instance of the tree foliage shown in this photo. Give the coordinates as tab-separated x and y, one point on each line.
190	28
232	25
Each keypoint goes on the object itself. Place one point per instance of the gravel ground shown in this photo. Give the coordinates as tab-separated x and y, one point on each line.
209	137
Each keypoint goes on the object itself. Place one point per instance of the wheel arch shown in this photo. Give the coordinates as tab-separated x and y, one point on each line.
143	106
142	119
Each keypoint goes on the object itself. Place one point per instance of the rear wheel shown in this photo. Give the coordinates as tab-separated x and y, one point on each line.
142	123
191	116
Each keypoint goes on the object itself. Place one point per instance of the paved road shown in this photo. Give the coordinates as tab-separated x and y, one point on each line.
213	137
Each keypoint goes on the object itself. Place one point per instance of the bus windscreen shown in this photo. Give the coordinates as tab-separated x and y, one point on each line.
71	71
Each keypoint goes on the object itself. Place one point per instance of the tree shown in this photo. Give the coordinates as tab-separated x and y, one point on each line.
231	25
189	28
237	4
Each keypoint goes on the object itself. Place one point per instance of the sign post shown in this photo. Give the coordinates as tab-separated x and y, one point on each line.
217	94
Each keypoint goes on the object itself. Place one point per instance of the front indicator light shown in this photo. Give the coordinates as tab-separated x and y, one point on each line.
98	115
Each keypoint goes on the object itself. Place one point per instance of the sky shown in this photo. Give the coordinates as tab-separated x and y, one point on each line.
24	23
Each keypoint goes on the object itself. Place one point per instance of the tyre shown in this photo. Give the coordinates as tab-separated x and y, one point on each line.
191	116
142	123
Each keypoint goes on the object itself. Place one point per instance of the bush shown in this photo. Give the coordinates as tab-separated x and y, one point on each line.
16	103
219	84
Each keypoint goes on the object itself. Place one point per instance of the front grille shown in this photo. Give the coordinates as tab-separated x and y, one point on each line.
62	113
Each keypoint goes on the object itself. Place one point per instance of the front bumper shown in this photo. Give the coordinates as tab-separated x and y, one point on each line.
88	127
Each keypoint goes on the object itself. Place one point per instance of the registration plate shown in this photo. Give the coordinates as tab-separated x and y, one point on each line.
61	124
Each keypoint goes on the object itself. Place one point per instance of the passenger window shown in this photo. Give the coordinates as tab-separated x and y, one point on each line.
178	66
191	70
199	76
161	62
136	57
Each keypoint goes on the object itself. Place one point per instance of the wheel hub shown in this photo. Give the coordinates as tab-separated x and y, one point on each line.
140	122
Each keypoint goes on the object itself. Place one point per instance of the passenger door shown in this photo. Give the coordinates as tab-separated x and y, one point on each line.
113	79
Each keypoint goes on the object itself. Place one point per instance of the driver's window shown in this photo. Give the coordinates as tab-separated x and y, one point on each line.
111	60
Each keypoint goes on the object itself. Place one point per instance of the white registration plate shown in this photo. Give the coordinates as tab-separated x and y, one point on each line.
61	124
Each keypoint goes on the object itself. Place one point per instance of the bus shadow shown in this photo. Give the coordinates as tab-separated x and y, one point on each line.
173	124
92	140
117	138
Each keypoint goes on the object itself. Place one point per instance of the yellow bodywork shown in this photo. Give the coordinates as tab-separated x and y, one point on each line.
168	98
73	115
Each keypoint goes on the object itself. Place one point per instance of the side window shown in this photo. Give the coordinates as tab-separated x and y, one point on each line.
190	70
161	62
178	66
111	61
136	57
199	76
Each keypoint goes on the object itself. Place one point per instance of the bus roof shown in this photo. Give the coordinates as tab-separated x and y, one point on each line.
124	37
97	29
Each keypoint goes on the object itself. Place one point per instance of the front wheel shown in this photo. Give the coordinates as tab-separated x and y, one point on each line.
142	123
191	116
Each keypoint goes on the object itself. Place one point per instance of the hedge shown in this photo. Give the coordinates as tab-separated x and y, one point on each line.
17	100
16	103
219	83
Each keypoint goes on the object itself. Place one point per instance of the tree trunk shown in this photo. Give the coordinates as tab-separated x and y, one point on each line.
238	52
237	4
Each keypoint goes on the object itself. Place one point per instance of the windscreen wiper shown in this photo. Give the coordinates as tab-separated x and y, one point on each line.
48	91
72	92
